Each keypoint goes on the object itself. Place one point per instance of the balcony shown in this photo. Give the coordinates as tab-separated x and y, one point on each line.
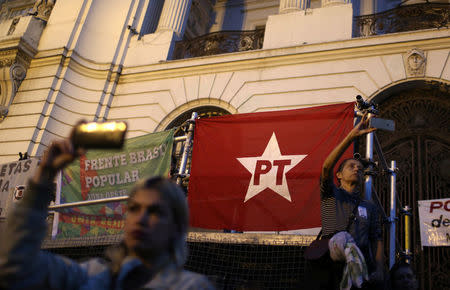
403	18
219	42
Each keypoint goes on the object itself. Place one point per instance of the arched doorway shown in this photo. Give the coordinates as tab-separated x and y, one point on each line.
203	112
421	147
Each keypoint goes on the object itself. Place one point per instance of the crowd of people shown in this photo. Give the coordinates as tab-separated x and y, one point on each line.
153	251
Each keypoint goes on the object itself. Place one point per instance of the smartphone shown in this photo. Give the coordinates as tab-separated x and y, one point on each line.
382	124
99	135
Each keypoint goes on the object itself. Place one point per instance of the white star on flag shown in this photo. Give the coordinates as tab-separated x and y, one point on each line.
269	170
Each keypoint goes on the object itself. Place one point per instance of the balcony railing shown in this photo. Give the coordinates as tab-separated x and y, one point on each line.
219	42
403	18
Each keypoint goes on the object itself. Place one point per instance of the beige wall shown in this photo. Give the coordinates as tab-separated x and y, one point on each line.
70	78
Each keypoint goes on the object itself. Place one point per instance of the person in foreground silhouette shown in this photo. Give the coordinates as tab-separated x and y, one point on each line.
151	255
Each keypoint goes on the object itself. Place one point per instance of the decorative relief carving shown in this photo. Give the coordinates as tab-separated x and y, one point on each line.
17	74
13	9
42	9
13	67
199	20
415	63
13	25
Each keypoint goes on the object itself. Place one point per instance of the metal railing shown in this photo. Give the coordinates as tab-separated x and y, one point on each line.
403	18
219	42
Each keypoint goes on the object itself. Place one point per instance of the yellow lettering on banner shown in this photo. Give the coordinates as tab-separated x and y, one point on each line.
103	222
73	219
108	223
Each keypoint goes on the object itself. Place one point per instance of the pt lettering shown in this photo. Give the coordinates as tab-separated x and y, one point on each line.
265	166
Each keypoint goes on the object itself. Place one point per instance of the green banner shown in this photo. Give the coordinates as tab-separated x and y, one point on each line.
110	173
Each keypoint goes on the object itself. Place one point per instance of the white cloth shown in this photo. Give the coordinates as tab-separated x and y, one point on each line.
343	248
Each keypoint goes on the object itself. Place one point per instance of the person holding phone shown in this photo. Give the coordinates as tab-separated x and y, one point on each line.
344	205
151	255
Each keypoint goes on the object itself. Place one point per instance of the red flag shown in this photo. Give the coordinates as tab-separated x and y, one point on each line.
260	171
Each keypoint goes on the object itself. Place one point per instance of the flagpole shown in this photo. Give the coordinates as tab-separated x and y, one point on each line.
368	107
88	202
369	158
392	217
57	202
187	148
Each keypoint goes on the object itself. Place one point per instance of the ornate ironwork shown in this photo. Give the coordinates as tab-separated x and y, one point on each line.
421	147
403	18
219	42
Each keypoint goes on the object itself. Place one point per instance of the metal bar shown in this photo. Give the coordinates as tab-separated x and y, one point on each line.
369	158
187	148
180	138
407	221
392	217
57	201
87	202
377	146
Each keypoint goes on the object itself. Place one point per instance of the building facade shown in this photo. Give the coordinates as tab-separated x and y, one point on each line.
151	62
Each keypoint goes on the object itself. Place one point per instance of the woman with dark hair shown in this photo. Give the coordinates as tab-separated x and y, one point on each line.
343	209
151	255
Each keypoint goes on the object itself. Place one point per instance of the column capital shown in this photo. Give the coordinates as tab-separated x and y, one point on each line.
174	16
288	6
329	3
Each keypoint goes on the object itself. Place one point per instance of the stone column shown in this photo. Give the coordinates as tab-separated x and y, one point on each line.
174	16
287	6
152	15
328	3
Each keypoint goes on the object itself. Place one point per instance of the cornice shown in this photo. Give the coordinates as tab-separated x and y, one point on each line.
9	42
16	49
396	43
353	48
72	60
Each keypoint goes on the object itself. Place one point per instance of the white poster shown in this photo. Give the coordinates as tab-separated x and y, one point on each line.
434	217
13	181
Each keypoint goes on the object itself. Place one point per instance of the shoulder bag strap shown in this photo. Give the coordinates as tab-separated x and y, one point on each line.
351	218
